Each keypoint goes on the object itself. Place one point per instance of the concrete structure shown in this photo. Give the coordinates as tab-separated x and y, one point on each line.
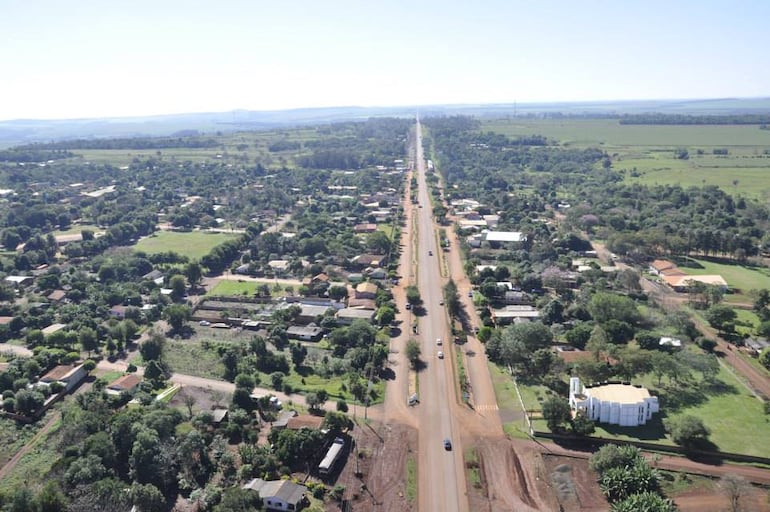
614	403
279	494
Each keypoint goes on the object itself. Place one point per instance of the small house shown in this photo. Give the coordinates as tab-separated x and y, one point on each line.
366	290
125	384
279	494
304	332
70	376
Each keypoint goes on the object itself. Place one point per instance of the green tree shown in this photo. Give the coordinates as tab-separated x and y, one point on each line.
385	315
687	431
51	498
193	271
647	501
378	242
177	315
721	318
152	349
614	456
235	499
413	296
178	287
413	352
764	358
556	413
605	306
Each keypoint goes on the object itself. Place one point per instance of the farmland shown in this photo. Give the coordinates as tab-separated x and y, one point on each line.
645	153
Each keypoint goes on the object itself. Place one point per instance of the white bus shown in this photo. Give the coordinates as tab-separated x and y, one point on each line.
327	464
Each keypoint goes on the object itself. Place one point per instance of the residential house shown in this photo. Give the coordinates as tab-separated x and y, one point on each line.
218	416
513	297
658	266
365	228
510	314
69	375
305	333
348	315
368	260
128	383
56	295
366	290
376	273
279	494
53	328
362	303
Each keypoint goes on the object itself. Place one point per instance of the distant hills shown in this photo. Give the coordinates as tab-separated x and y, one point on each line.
24	131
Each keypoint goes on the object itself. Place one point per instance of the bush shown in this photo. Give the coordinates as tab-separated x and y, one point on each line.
342	406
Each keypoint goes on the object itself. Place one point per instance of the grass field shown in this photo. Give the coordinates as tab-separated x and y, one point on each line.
234	288
193	244
740	279
645	153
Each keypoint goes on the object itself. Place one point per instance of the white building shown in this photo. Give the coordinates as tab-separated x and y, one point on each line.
616	404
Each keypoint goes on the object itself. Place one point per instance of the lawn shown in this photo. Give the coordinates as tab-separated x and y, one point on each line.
234	288
741	279
193	244
193	359
734	416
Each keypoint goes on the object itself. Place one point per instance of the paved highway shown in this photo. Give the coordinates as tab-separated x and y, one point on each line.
441	475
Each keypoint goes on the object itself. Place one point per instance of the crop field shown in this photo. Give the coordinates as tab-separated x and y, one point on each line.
193	244
645	153
234	148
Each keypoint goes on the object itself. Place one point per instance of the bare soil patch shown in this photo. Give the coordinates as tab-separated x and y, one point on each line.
704	499
574	484
374	475
513	477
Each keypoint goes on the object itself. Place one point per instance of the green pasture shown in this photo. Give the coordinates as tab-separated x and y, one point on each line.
740	279
193	244
645	153
610	133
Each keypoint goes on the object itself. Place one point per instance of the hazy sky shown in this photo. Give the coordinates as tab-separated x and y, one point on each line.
78	58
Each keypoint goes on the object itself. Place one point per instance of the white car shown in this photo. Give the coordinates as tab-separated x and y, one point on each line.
440	355
438	341
204	323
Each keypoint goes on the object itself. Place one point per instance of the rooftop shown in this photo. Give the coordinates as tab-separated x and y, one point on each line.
621	393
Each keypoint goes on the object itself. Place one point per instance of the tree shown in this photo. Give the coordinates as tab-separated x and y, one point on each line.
556	413
194	273
337	292
178	287
378	242
413	352
614	456
733	487
235	499
337	421
313	401
385	315
153	347
582	425
721	318
607	306
519	341
647	501
176	315
764	358
687	431
51	498
413	296
147	498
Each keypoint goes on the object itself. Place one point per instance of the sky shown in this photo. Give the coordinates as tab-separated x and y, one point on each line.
102	58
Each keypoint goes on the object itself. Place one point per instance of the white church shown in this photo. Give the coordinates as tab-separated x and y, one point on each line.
614	403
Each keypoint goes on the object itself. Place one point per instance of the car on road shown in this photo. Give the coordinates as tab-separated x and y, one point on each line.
440	354
470	294
430	253
204	323
447	445
408	306
438	341
441	303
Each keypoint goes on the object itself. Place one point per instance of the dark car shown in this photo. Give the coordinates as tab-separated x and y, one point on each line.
447	444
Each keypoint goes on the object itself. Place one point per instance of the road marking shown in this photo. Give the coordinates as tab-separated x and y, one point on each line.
487	407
